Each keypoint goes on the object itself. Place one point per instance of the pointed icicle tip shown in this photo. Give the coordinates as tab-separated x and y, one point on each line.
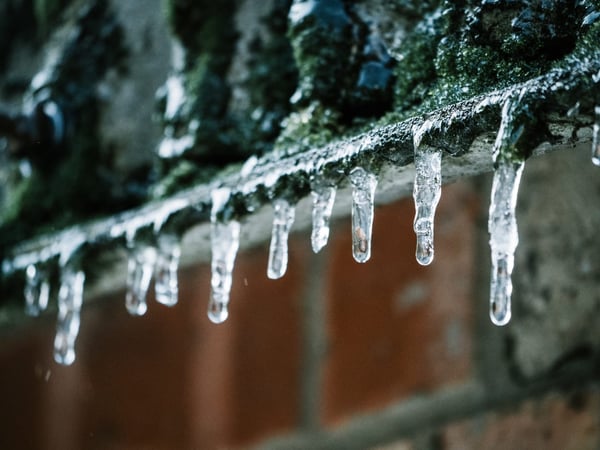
363	196
504	238
70	299
596	137
283	219
427	190
140	268
323	199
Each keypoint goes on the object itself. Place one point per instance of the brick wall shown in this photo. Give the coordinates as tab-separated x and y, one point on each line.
385	355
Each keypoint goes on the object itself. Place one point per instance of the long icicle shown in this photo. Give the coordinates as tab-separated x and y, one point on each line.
502	222
37	290
427	191
283	219
323	199
596	137
70	299
225	242
363	196
166	285
140	268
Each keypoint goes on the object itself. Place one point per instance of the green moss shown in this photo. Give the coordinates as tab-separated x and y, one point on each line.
310	127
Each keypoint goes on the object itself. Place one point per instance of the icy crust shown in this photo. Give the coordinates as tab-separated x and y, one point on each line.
152	233
452	128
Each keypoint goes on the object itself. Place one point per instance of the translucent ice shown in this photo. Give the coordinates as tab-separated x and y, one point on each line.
363	195
323	198
37	290
427	190
596	137
167	262
140	268
283	218
502	226
225	241
70	298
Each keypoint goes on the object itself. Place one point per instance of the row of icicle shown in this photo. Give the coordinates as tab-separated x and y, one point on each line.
161	259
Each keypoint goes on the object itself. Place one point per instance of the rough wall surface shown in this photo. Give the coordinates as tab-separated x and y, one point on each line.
385	355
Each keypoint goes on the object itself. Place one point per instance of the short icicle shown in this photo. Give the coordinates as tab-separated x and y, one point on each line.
363	195
166	285
37	290
70	299
596	137
225	241
502	222
427	190
140	268
283	219
323	198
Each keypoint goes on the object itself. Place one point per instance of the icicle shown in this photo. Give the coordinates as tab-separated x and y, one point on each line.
70	299
37	290
502	226
167	262
140	268
596	137
225	241
427	190
363	195
323	199
283	218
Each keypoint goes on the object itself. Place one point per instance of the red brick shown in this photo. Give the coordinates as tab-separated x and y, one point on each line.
555	422
396	328
169	379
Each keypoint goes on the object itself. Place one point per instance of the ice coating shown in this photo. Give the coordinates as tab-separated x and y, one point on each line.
225	241
37	290
427	191
140	268
323	199
502	226
70	299
166	285
363	195
283	219
596	137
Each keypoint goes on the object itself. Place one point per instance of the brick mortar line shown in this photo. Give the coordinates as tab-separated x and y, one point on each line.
404	419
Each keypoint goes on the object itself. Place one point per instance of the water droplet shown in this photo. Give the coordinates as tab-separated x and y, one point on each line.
363	195
140	268
323	199
504	238
70	299
167	262
596	137
427	190
225	242
283	218
37	290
